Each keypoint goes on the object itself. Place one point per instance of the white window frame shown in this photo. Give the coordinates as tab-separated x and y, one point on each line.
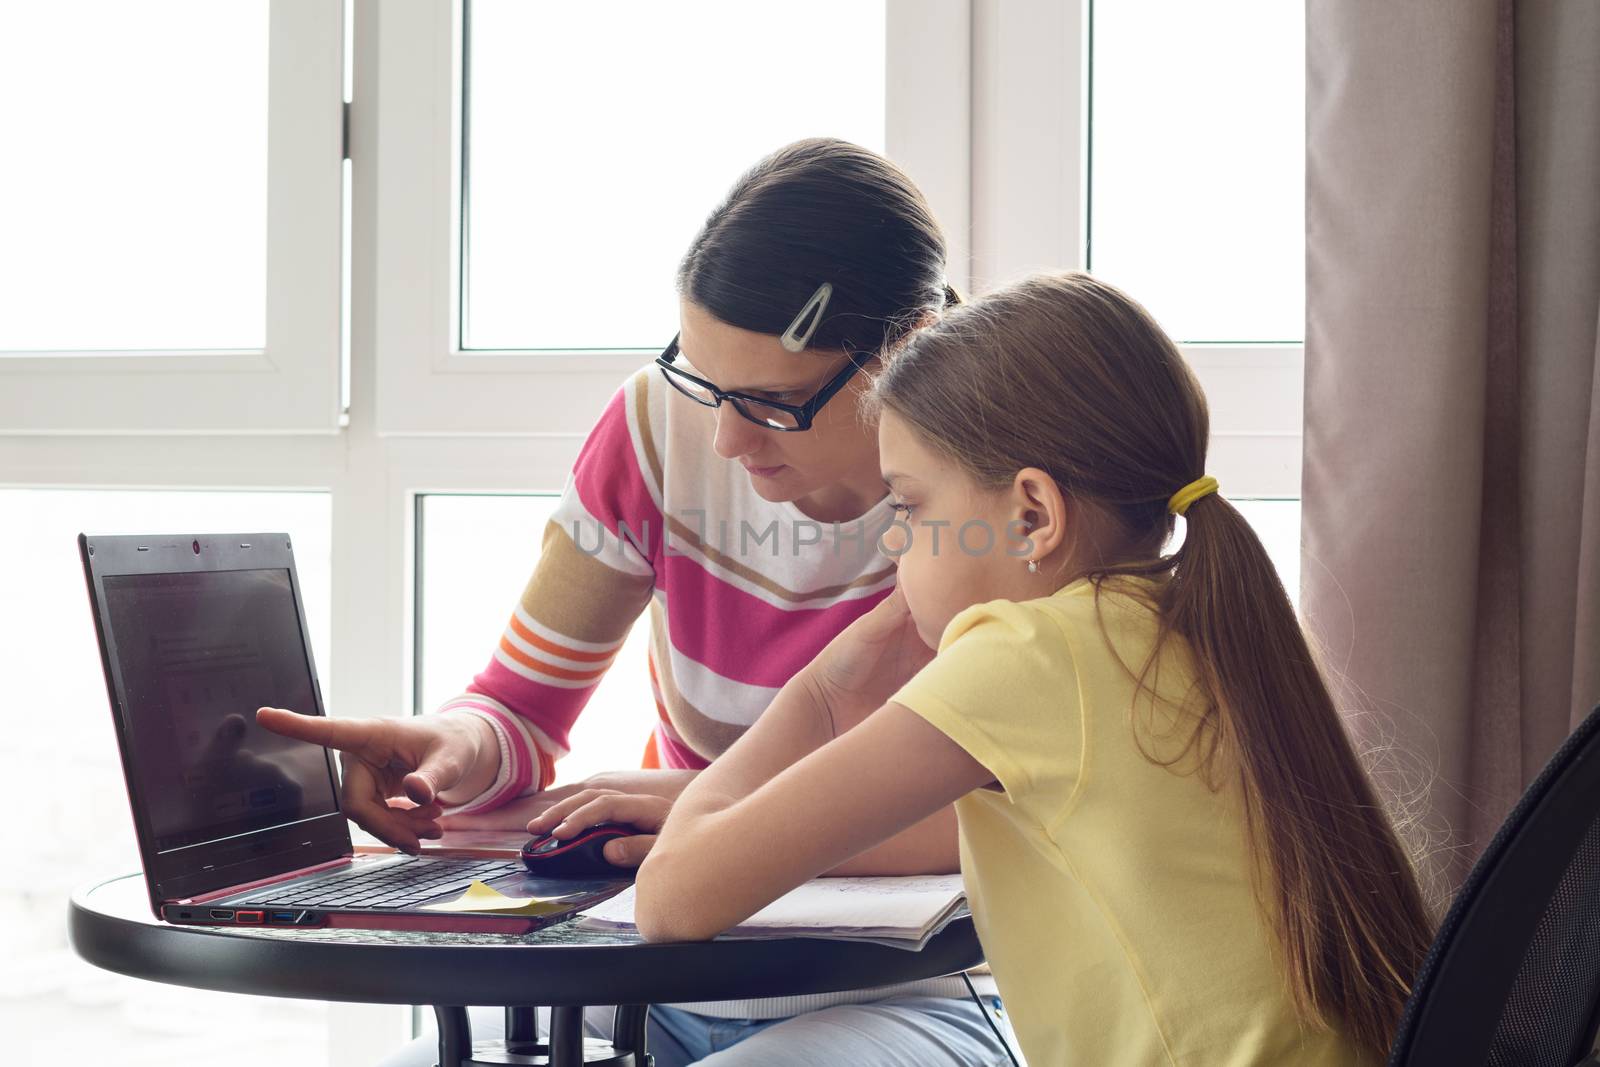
429	385
291	385
1030	153
985	107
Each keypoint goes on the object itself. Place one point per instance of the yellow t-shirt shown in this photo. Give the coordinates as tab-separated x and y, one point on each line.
1113	895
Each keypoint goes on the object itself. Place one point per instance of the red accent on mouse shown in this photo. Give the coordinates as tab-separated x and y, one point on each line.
581	856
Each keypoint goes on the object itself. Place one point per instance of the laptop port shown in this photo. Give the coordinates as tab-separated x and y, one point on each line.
282	917
222	913
247	917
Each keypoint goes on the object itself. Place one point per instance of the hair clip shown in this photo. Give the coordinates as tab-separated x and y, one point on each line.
795	341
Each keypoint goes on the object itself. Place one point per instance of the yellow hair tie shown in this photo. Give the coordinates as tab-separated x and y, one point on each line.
1190	493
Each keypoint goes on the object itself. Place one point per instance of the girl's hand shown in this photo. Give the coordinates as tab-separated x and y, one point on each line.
867	663
583	810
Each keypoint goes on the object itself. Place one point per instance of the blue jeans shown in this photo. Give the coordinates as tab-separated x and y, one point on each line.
901	1032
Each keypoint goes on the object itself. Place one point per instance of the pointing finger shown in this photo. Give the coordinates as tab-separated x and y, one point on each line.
347	735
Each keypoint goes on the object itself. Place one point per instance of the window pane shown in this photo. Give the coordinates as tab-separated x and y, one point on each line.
61	742
476	554
133	199
1277	523
1198	162
590	170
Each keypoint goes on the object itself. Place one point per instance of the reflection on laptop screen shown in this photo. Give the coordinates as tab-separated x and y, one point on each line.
199	653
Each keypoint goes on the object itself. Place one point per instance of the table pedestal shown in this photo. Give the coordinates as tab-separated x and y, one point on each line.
566	1047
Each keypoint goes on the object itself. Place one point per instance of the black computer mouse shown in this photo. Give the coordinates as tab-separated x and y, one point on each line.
581	856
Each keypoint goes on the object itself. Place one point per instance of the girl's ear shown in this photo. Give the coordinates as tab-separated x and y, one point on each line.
1038	502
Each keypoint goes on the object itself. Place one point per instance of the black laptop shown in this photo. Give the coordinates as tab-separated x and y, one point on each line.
238	825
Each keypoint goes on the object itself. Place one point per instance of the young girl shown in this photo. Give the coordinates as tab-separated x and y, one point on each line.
1172	853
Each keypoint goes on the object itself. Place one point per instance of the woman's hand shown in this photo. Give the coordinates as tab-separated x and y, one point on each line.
661	782
399	773
867	663
584	809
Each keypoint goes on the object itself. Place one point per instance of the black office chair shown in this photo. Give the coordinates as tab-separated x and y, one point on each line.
1513	979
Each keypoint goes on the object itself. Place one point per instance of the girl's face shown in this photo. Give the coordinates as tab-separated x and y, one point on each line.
957	543
831	470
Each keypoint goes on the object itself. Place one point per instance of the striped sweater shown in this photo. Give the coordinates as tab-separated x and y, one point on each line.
742	593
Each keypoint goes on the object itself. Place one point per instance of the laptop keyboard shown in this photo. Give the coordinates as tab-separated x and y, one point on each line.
404	884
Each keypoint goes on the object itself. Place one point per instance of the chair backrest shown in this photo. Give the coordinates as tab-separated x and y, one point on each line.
1513	977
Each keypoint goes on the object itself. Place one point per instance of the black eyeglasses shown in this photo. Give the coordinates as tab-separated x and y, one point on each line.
769	414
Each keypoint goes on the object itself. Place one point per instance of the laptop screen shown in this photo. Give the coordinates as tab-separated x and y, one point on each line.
199	652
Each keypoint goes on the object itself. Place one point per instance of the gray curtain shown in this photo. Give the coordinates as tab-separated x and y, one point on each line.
1451	565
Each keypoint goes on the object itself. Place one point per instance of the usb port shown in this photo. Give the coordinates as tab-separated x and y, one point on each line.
247	917
282	917
222	913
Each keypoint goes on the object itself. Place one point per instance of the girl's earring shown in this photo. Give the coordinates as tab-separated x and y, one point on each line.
1033	566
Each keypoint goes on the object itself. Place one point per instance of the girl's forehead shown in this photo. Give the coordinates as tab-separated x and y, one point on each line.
908	460
902	451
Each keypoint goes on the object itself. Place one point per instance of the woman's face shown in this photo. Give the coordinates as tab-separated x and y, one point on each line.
831	470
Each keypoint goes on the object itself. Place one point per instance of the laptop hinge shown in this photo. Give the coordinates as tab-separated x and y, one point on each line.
281	877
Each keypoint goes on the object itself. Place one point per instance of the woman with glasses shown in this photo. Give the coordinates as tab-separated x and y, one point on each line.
733	490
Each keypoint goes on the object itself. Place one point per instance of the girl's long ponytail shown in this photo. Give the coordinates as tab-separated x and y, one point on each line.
1352	926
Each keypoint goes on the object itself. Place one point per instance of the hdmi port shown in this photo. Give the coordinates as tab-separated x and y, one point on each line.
222	913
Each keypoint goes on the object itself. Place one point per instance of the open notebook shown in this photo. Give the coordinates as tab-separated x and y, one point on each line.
899	912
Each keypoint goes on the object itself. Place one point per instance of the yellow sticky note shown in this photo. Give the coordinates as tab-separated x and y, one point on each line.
483	898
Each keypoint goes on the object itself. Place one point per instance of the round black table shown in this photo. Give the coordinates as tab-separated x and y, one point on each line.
562	967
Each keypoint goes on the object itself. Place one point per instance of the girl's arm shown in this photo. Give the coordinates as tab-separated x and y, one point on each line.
928	847
851	678
747	831
823	776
